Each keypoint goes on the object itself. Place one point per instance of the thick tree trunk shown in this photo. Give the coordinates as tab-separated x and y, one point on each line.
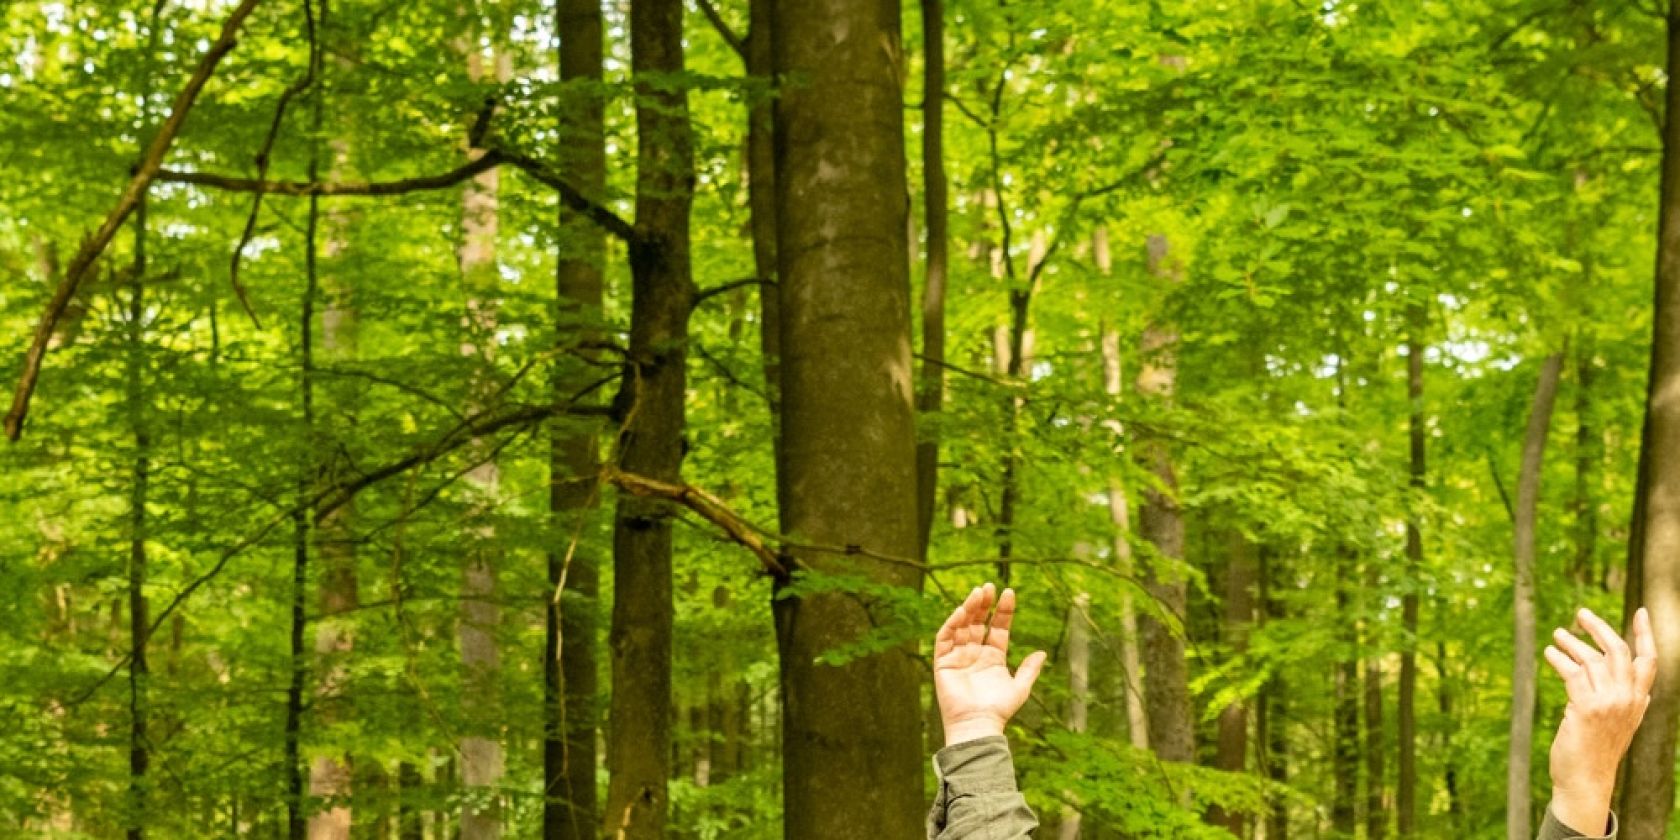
1406	788
851	769
651	443
1589	450
480	747
570	661
1518	797
931	398
1648	797
1166	674
1241	576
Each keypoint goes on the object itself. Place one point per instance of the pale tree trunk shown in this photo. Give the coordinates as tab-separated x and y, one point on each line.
1648	793
1406	788
1518	798
851	770
570	662
329	775
1079	689
1241	576
1166	674
480	747
655	381
1119	514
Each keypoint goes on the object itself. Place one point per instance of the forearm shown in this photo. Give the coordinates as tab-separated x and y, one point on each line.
977	796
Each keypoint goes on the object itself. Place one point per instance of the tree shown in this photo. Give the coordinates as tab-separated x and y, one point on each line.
651	410
847	477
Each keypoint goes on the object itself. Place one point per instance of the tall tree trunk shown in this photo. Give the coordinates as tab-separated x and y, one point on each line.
1166	674
1518	797
1079	690
1241	576
480	747
931	398
1344	809
570	661
761	200
851	770
329	775
1406	788
1119	515
1648	797
1269	724
139	612
1376	815
655	380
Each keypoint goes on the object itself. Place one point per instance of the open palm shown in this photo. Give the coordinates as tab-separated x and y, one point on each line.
977	694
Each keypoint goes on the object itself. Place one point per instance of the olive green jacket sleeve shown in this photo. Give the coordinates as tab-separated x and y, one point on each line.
1551	829
977	798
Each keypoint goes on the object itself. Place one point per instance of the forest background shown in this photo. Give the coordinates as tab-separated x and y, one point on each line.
571	419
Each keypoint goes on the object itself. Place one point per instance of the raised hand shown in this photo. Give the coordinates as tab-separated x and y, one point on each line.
977	694
1609	689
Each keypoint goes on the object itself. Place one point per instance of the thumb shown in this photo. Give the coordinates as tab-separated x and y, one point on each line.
1028	673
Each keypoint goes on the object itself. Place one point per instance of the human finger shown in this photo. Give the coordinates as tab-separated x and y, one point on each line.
1578	651
1645	644
998	636
1617	655
1574	676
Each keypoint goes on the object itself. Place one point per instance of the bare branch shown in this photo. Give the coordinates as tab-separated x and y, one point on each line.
150	163
735	42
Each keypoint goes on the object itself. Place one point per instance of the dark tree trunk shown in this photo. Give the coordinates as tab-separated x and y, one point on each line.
931	398
1344	810
1648	797
851	770
139	612
1270	711
570	661
651	444
1241	575
1406	789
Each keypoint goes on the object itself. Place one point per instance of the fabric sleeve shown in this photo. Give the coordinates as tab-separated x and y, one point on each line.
977	798
1551	829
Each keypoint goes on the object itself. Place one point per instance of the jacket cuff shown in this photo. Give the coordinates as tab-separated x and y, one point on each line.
1552	829
975	767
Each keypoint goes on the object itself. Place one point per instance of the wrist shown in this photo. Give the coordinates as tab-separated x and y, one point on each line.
970	729
1584	808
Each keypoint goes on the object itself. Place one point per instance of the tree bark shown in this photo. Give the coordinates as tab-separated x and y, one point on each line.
930	400
570	661
1344	809
851	770
651	403
1166	675
139	612
1270	710
1648	797
1079	690
1406	784
1241	575
1518	797
1376	815
761	201
329	775
482	758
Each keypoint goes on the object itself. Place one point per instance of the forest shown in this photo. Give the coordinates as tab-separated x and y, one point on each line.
573	418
